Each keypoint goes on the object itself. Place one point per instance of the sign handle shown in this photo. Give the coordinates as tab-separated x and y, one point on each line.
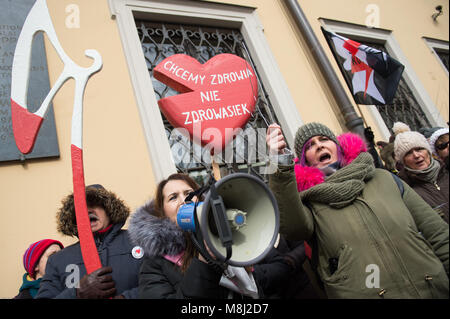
26	125
216	169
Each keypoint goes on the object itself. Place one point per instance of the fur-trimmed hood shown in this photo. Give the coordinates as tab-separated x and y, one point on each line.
351	144
114	207
157	236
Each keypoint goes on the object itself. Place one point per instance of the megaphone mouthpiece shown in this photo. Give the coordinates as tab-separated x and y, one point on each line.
237	218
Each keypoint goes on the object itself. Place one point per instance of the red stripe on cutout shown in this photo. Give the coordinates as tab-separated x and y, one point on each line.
87	243
26	126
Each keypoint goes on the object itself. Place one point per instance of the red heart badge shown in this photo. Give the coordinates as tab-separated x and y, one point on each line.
217	97
137	252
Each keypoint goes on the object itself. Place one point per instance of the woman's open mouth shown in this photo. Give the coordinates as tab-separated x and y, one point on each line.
324	157
420	163
93	218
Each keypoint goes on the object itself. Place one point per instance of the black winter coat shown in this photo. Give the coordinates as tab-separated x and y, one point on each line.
115	250
281	275
161	278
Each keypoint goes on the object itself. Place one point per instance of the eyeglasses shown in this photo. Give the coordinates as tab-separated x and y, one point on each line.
442	146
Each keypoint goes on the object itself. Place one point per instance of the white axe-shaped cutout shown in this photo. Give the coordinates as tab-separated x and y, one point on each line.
26	125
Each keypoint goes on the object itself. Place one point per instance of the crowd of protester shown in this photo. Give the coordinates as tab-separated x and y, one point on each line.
339	214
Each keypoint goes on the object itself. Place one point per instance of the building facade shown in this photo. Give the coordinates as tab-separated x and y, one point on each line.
129	145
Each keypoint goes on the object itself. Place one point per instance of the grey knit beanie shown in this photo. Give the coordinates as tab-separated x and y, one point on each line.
307	131
406	141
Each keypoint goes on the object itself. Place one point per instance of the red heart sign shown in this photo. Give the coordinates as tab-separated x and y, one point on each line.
218	96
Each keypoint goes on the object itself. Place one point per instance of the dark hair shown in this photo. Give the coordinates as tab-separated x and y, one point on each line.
190	251
159	197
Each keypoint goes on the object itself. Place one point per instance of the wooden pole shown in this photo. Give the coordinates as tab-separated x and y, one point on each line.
362	115
216	169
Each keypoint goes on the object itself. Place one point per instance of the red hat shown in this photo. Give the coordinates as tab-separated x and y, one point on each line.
34	253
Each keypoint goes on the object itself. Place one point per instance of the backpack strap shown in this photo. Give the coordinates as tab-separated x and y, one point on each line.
399	183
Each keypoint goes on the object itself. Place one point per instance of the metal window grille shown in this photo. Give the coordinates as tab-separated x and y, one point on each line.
161	40
404	108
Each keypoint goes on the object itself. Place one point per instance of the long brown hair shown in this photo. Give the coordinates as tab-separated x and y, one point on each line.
190	251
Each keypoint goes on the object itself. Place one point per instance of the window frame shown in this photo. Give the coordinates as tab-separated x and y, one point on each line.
434	44
393	49
198	12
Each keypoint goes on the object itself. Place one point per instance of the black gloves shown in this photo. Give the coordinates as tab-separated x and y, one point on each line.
296	257
97	285
368	134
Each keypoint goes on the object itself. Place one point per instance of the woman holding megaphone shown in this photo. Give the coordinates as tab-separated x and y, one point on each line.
173	268
372	236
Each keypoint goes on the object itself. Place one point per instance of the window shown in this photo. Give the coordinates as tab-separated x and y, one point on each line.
248	151
228	29
443	56
440	50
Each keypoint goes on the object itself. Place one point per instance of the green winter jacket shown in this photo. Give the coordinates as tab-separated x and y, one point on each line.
380	245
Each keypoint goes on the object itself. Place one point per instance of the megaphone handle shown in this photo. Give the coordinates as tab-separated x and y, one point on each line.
217	266
197	236
219	214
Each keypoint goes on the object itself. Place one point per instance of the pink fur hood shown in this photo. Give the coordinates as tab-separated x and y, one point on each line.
351	144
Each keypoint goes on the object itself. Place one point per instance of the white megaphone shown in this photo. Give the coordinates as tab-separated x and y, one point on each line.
252	215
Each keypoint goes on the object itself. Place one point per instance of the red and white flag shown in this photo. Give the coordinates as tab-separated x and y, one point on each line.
371	75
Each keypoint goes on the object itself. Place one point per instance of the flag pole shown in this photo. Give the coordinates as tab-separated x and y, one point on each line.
362	116
352	121
371	142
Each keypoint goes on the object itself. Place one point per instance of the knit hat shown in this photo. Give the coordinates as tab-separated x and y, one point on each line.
307	131
428	131
434	137
400	127
406	141
34	253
